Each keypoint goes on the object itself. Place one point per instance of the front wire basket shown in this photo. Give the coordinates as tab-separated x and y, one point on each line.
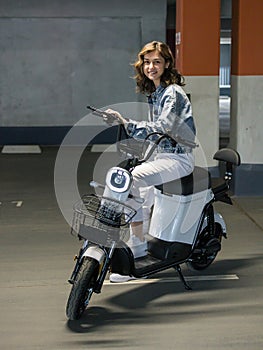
101	219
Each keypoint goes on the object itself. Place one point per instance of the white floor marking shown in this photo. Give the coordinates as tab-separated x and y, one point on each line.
176	279
21	149
56	282
18	203
103	148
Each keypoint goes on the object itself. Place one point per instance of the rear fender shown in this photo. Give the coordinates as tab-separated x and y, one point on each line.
219	220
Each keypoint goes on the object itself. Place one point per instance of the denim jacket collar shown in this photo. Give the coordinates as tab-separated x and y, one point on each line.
158	91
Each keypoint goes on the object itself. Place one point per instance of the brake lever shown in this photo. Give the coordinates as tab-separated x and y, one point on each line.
136	199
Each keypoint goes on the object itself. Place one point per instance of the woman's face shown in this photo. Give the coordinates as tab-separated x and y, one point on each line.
154	66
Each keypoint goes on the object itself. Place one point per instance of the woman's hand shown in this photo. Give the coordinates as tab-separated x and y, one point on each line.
112	116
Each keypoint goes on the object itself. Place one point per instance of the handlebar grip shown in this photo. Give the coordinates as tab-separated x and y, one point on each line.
137	199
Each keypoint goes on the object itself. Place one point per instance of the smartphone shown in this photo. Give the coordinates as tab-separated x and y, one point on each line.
110	118
97	111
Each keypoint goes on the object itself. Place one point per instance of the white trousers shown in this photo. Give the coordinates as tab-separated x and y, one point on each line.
163	168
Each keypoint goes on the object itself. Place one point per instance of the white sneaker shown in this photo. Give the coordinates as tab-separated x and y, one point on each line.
116	278
138	247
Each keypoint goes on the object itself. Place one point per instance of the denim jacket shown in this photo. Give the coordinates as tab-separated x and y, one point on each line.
170	112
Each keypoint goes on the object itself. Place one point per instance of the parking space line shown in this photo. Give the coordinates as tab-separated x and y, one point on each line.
177	279
17	203
48	283
103	148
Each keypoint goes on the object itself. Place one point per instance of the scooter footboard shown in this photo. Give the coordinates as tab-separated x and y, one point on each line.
164	250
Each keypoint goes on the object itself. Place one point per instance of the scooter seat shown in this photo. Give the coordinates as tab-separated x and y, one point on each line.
198	181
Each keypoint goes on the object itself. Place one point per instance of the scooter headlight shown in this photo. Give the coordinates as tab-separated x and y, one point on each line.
118	180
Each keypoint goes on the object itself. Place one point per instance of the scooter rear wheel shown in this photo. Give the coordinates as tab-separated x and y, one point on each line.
202	260
203	263
82	288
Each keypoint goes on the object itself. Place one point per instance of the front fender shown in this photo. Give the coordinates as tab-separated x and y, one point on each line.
94	252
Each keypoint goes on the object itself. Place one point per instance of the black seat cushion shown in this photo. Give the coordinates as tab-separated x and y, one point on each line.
199	180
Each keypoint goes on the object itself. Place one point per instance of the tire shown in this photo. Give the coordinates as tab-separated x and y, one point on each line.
82	288
201	262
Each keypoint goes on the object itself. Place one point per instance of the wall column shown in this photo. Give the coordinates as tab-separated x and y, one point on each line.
198	59
246	94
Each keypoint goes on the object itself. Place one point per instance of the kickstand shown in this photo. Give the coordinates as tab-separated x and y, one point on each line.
186	285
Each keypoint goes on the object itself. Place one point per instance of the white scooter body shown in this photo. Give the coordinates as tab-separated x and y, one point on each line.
184	227
175	218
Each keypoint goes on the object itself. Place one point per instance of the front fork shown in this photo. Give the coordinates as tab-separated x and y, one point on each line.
101	254
104	268
78	259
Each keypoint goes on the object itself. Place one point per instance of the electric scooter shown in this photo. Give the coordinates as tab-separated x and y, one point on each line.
184	226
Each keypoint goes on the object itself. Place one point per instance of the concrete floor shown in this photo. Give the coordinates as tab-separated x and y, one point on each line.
224	310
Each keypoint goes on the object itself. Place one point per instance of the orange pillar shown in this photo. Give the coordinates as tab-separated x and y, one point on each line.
246	92
247	34
198	59
198	37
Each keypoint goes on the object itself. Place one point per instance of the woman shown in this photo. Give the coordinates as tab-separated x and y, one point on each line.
170	112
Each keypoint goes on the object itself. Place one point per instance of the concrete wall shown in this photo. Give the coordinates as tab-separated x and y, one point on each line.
247	117
246	132
204	91
57	56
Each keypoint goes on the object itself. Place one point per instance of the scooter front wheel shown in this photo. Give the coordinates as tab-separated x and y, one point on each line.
82	288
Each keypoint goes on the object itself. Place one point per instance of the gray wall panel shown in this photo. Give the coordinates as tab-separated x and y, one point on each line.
58	56
52	68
